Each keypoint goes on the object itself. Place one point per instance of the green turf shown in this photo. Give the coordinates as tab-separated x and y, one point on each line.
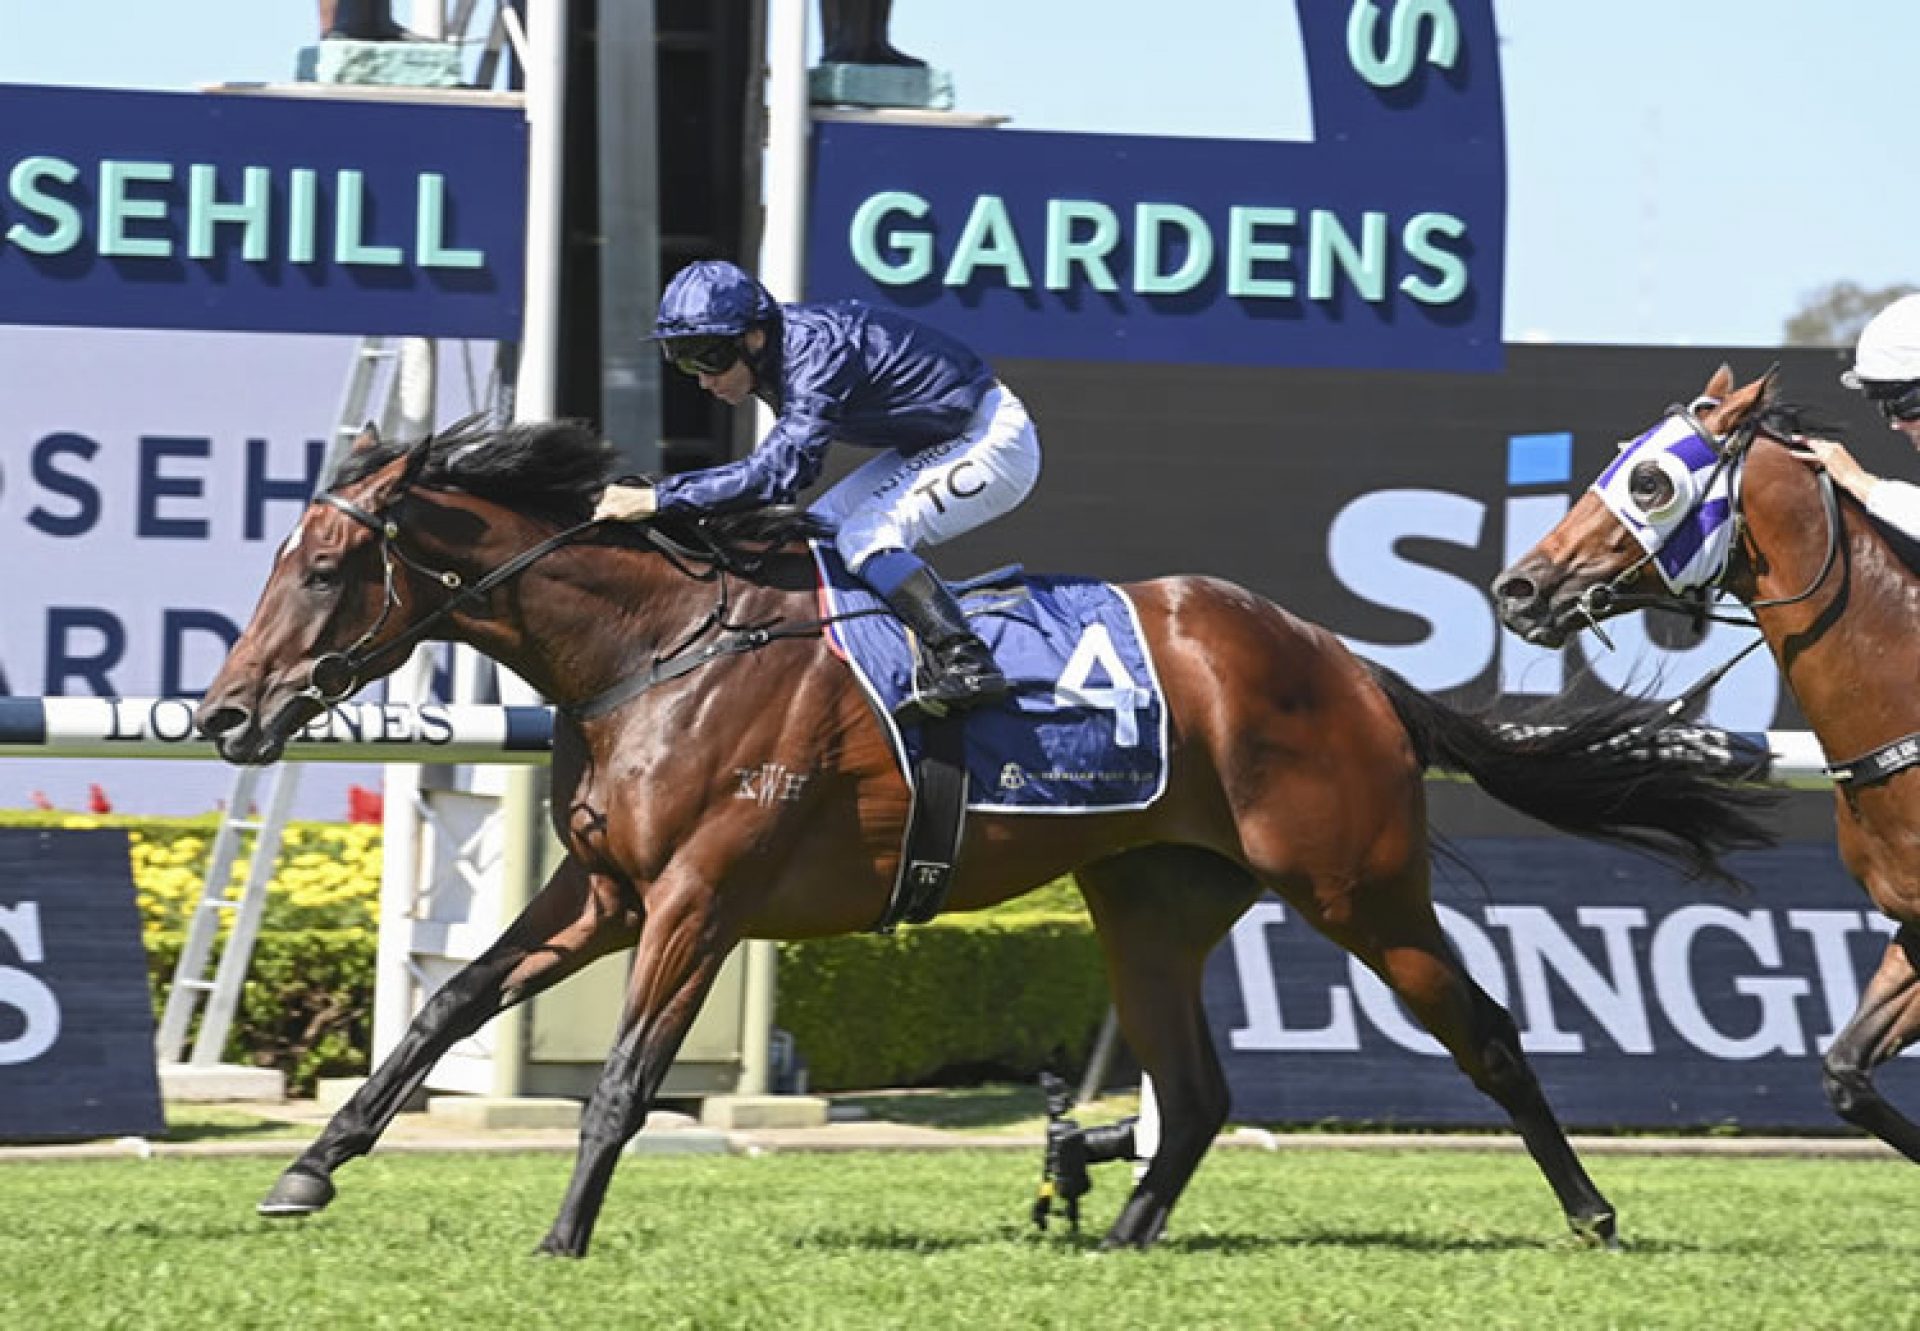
940	1240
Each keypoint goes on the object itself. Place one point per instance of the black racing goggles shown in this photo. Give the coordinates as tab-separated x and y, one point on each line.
1897	402
702	355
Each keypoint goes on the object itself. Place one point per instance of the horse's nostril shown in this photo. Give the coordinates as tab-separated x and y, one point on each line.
216	721
1514	591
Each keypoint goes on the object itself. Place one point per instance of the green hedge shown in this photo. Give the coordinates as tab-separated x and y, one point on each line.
1004	992
956	999
307	1006
953	1001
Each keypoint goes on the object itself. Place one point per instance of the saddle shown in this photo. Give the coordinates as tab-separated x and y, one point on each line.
1083	731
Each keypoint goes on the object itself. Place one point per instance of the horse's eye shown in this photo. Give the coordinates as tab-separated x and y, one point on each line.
323	577
1650	487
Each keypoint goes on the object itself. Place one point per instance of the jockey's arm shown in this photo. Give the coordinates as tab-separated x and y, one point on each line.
787	461
1896	503
818	377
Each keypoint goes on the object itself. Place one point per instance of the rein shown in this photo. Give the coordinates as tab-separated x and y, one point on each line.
1606	599
335	675
732	639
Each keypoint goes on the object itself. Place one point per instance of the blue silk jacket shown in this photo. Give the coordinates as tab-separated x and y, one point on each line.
843	371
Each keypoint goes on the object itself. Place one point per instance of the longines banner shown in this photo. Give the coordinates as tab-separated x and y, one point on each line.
76	1020
1642	1000
172	210
1381	243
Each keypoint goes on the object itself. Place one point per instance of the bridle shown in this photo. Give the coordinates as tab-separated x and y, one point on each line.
1603	600
1606	599
335	675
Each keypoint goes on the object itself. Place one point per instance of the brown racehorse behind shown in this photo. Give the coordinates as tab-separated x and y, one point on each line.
1295	768
1835	602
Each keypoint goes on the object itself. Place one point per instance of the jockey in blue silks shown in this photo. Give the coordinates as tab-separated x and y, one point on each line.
953	447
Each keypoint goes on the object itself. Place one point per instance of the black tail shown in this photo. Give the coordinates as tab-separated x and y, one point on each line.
1675	793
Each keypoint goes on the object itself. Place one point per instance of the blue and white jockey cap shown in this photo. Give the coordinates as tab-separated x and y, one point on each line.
1689	536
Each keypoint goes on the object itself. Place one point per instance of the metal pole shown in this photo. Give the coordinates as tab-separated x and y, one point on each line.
1100	1062
629	230
535	398
789	121
400	866
429	19
782	245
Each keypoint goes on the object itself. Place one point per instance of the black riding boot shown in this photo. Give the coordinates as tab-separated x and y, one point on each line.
960	668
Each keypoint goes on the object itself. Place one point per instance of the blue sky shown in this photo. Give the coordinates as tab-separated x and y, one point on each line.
1678	172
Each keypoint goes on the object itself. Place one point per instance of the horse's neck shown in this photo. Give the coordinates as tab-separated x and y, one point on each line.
588	617
1836	648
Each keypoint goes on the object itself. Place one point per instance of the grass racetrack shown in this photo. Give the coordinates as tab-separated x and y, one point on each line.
933	1240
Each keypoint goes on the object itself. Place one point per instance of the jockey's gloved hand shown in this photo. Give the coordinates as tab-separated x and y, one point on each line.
626	503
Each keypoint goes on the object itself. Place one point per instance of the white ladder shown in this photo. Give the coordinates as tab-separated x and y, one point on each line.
239	819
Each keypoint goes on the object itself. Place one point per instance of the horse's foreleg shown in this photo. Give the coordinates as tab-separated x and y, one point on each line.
678	957
569	923
1886	1022
1159	912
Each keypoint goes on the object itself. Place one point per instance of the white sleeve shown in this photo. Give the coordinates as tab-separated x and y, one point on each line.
1897	504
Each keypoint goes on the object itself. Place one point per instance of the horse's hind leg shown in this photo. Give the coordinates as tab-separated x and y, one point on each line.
1160	910
569	923
1405	946
1888	1020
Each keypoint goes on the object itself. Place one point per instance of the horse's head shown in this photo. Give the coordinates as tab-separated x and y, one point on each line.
331	605
1658	523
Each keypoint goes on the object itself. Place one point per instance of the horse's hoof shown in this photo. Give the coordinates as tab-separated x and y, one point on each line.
553	1247
296	1193
1596	1231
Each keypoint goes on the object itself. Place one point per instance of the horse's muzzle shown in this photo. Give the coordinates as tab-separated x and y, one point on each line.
1533	601
240	737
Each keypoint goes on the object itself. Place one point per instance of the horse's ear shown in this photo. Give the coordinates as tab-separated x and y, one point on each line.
417	457
1744	401
368	438
1720	385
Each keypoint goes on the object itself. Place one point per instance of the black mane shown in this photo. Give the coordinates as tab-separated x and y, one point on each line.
1784	420
555	470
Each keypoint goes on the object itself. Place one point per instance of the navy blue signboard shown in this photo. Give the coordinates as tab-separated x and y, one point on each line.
1643	1001
1379	244
261	214
76	1020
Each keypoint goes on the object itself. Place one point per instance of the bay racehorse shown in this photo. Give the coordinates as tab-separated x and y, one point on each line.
1713	499
681	652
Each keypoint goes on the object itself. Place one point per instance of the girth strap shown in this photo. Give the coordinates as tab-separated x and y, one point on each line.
1871	768
936	820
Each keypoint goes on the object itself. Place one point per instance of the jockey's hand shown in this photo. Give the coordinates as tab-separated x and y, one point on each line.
1833	456
626	503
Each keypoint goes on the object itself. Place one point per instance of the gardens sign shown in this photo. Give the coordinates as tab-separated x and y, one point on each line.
1378	245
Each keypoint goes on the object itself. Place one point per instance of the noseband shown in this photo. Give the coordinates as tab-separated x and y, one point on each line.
1606	599
335	675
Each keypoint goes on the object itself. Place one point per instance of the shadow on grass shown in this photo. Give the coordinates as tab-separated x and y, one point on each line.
974	1107
190	1123
895	1239
995	1107
889	1238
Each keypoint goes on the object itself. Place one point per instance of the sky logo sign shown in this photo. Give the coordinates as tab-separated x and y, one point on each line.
1464	640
